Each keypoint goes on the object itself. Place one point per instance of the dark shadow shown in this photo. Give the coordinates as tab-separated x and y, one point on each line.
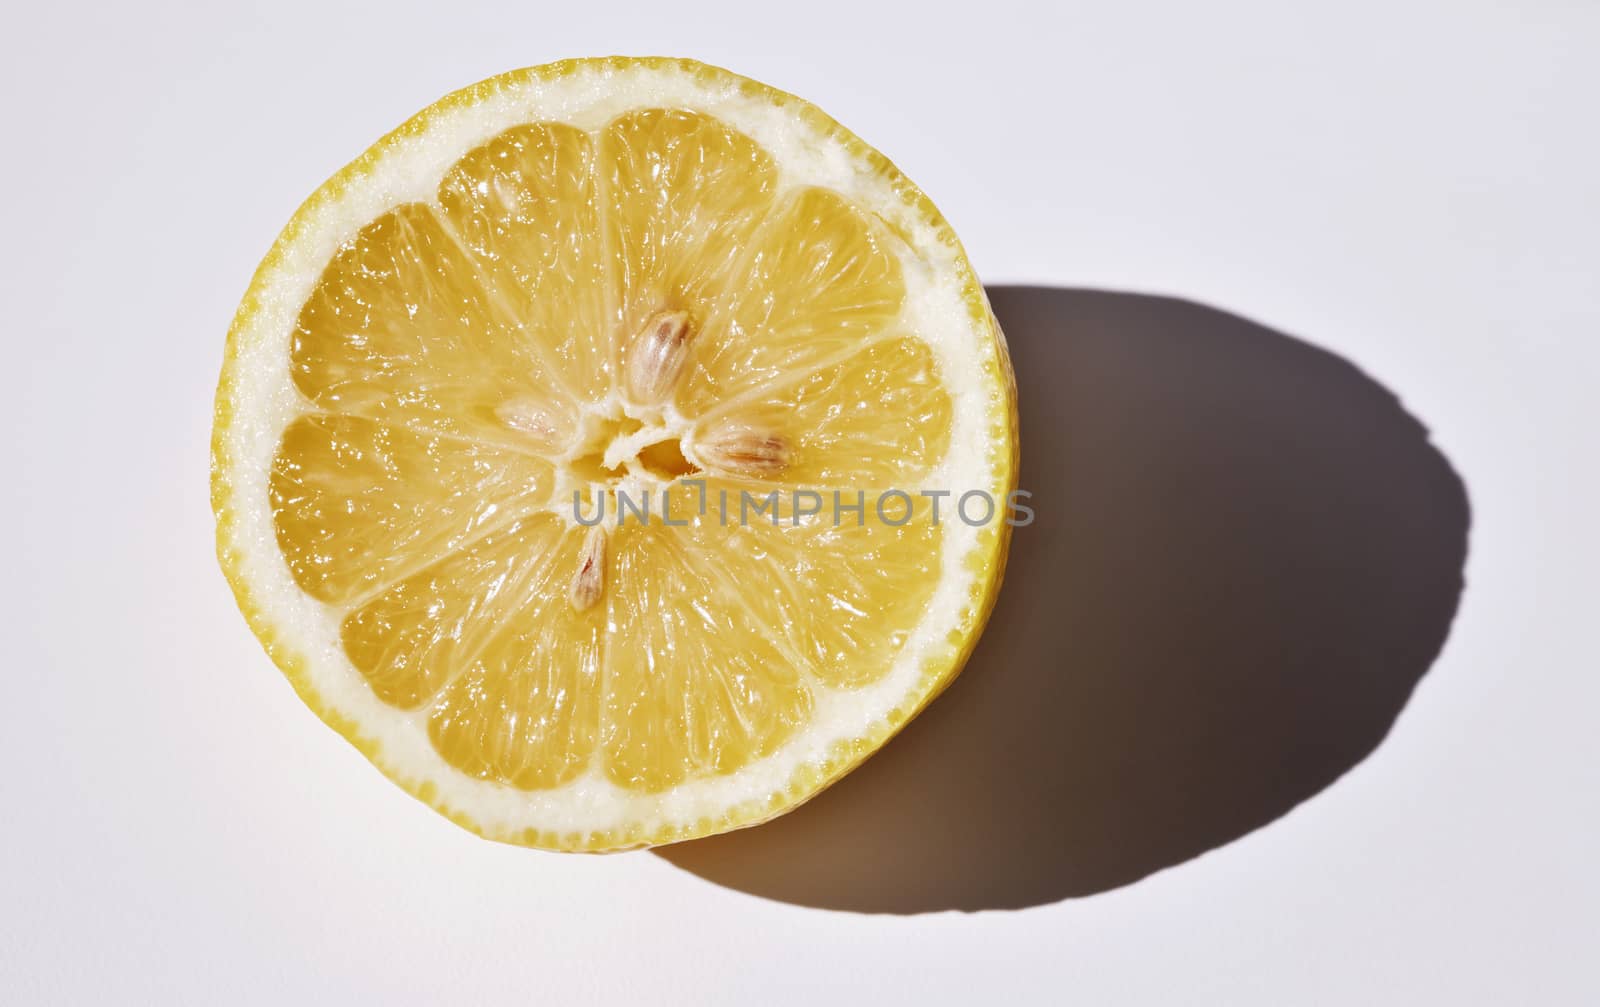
1246	556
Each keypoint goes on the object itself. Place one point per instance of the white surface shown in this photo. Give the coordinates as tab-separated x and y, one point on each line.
1413	186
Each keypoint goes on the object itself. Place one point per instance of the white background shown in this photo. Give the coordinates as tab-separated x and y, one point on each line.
1413	186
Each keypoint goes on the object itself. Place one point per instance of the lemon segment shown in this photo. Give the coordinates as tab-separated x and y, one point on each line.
524	206
358	503
685	196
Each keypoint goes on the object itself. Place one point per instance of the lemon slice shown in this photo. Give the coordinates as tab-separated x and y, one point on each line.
549	298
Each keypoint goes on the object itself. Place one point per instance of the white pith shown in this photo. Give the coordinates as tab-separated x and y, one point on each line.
265	400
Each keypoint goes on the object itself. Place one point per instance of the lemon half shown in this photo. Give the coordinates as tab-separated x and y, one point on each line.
588	281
